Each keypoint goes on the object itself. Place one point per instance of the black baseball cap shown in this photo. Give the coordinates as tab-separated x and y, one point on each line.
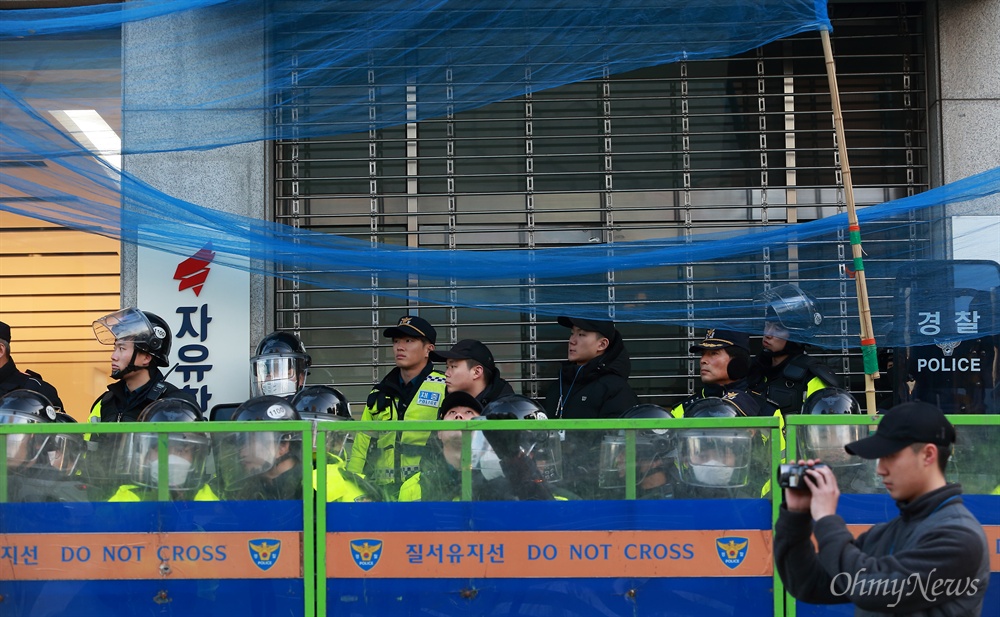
412	326
723	339
467	349
459	399
604	328
4	332
903	425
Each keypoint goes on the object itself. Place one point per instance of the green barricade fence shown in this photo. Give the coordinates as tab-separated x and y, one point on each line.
621	550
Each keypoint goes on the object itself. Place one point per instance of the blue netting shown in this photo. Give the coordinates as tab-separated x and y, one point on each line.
452	56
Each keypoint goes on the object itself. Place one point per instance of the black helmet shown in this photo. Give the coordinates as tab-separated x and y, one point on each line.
135	456
279	366
321	403
246	455
148	332
26	406
266	407
324	404
712	407
831	401
172	410
792	308
827	441
521	406
543	447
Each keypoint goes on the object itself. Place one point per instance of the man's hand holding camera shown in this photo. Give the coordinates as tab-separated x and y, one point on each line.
818	495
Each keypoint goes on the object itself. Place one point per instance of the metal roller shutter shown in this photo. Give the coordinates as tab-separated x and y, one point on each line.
744	141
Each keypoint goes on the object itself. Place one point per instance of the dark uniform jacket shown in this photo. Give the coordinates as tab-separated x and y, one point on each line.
12	379
120	405
735	392
934	538
598	389
498	389
787	385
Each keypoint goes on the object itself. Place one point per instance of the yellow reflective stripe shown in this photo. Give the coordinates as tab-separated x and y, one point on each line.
815	384
678	412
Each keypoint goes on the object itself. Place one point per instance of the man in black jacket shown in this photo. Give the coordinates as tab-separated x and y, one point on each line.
930	560
471	368
592	383
141	343
12	379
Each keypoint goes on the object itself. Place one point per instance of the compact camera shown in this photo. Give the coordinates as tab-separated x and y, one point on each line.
791	475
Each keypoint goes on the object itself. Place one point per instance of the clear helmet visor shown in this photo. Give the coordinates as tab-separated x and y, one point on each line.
126	324
23	450
826	442
324	428
65	452
652	453
612	462
714	458
545	449
242	456
187	453
277	375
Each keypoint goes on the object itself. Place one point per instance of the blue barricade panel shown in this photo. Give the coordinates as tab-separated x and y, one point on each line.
691	557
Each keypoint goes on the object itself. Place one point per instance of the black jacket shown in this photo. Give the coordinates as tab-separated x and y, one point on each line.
12	379
498	389
120	405
934	538
784	386
598	389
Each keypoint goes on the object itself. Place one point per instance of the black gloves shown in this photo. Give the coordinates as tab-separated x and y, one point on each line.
504	443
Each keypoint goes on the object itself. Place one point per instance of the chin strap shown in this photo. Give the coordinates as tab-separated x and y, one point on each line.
118	374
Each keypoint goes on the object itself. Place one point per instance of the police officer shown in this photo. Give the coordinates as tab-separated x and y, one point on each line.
471	368
41	467
12	379
261	465
725	361
324	404
280	365
135	457
655	471
716	463
413	390
783	375
141	343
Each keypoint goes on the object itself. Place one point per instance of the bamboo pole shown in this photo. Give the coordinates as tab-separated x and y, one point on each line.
868	349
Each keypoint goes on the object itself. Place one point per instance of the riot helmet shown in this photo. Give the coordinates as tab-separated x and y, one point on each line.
790	308
544	447
324	404
64	452
826	442
26	407
147	332
653	449
711	457
136	455
280	365
246	455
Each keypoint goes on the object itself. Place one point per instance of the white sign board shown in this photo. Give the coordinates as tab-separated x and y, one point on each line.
976	237
208	309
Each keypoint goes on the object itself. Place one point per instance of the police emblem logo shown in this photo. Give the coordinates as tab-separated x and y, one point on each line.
404	321
710	334
366	552
732	550
730	396
264	552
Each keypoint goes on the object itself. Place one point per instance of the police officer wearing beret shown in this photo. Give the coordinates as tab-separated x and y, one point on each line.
413	390
13	379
